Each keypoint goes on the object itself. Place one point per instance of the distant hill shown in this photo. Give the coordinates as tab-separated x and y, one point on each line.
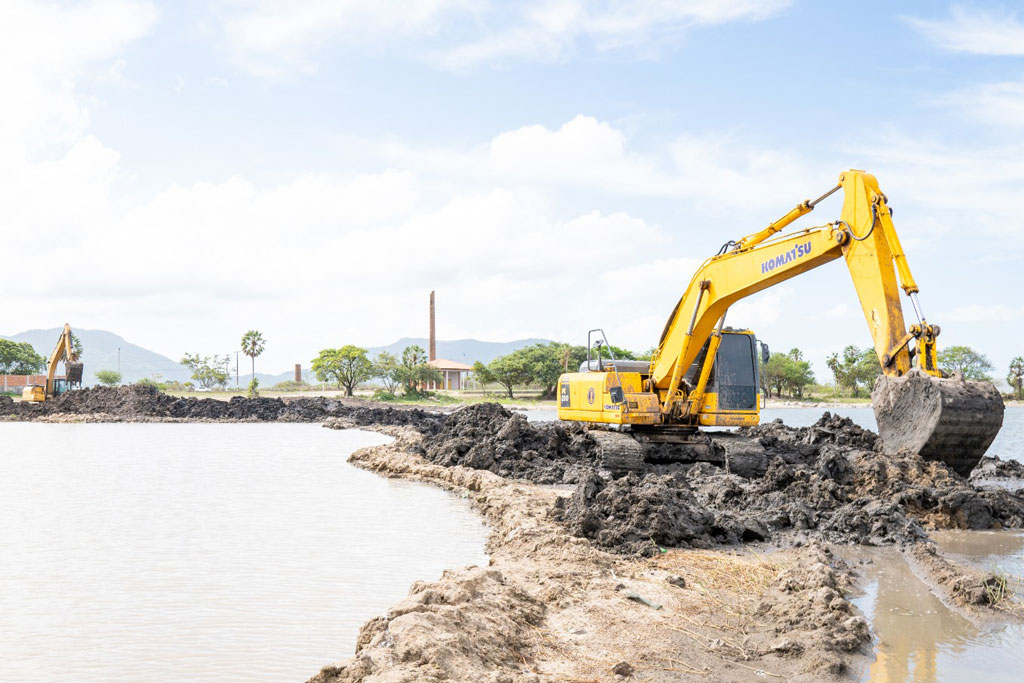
466	351
99	352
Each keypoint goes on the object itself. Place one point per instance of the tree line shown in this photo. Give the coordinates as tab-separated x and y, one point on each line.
349	366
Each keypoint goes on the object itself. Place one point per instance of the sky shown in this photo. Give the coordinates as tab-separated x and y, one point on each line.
179	173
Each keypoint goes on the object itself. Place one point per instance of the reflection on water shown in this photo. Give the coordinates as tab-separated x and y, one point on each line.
205	552
918	638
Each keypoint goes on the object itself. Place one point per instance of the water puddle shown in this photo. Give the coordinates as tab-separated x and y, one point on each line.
919	638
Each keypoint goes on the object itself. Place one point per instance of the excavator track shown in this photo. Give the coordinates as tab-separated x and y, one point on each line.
618	453
944	419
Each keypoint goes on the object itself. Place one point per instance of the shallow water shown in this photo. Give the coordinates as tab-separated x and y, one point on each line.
228	552
920	639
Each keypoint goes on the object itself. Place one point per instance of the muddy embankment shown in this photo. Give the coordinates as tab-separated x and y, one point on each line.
650	575
146	404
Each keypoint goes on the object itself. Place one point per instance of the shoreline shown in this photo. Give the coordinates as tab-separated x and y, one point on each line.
551	606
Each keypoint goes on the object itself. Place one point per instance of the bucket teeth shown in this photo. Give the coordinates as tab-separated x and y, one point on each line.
943	419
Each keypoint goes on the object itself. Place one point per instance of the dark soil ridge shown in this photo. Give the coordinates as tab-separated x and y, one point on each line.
824	482
136	402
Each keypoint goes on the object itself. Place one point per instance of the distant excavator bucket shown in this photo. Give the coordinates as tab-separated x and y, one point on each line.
945	419
73	371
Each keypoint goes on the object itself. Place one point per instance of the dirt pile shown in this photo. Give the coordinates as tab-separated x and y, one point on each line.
996	469
809	599
486	624
136	402
486	436
965	586
821	482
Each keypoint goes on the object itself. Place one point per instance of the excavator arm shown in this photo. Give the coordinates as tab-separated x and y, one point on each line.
940	418
864	235
917	408
64	352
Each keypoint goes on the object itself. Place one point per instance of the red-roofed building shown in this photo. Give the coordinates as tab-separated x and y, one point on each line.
453	374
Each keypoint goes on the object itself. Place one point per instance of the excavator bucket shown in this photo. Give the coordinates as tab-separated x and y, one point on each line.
946	419
74	372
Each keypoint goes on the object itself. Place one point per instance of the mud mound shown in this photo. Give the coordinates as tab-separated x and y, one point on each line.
798	444
639	514
470	625
809	600
821	482
996	468
486	436
136	402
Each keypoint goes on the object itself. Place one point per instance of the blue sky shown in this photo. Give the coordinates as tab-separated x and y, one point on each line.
181	172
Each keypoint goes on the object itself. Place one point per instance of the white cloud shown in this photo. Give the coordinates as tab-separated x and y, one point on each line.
993	104
276	37
975	31
44	48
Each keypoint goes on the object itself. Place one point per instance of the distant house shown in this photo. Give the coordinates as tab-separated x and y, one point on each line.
453	374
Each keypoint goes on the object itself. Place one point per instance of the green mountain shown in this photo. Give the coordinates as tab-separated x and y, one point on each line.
100	352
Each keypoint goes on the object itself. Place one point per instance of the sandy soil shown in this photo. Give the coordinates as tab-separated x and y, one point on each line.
551	607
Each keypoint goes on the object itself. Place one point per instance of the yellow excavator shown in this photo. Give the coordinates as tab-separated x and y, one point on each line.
66	353
704	373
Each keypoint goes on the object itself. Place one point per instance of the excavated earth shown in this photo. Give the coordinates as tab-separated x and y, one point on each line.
826	482
137	403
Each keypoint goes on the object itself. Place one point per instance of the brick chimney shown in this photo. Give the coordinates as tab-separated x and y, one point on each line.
298	373
433	338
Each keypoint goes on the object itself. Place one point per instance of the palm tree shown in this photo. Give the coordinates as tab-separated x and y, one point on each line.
1016	376
252	346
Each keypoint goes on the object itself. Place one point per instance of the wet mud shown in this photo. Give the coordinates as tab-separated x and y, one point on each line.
137	403
826	482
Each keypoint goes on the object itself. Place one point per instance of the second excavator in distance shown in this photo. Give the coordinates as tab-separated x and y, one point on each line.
703	373
67	352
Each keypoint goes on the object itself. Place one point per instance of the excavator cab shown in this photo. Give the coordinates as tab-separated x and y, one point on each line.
612	391
732	396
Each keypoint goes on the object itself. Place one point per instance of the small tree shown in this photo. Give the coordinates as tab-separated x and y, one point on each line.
347	367
509	371
109	378
413	371
1016	376
252	346
388	369
966	360
209	371
855	369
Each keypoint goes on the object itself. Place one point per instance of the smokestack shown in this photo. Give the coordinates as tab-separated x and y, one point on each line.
433	338
298	373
